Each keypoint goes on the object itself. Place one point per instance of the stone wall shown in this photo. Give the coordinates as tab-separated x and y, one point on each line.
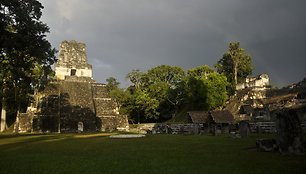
72	61
24	122
113	122
100	91
65	105
104	105
164	128
72	53
260	82
77	94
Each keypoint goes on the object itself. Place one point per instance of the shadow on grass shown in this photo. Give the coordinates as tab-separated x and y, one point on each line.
95	153
9	140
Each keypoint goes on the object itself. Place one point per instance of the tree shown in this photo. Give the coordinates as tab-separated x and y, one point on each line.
206	88
152	88
216	90
23	47
235	64
197	94
200	71
136	77
170	75
146	104
161	82
177	96
112	84
119	95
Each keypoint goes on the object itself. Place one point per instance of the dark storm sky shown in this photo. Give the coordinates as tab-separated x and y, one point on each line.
122	35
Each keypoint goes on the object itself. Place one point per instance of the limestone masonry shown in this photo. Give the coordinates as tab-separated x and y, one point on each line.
74	102
72	61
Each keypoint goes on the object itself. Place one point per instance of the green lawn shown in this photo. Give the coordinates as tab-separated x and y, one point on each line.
96	153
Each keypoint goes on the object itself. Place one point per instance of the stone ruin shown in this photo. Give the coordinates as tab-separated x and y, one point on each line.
72	61
289	132
248	102
260	82
74	102
244	129
289	139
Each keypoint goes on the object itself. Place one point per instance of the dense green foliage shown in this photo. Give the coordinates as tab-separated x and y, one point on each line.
150	99
177	154
25	54
112	84
206	88
159	93
235	64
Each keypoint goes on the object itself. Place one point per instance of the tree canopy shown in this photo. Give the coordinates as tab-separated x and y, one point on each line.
25	54
236	65
112	83
206	88
159	93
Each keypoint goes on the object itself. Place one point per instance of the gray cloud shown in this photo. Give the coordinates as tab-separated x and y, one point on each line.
122	35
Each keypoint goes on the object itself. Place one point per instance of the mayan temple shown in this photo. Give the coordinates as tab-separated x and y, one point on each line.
72	61
73	102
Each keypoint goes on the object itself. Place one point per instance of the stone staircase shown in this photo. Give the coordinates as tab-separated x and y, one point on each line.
77	106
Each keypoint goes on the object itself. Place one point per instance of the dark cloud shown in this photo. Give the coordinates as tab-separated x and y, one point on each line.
122	35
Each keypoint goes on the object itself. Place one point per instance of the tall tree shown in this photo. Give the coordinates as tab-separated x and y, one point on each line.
207	88
23	46
170	75
136	77
112	84
200	71
119	95
162	81
235	64
151	90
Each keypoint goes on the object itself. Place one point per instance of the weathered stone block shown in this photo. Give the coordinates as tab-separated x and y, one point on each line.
266	145
289	132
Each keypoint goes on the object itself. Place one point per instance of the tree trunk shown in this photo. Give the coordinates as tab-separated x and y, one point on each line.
16	127
3	109
235	74
3	119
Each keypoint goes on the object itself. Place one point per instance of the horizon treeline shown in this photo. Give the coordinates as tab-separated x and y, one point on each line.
162	92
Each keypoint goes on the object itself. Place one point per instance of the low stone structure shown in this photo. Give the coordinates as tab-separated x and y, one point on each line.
289	132
74	102
244	129
168	128
266	145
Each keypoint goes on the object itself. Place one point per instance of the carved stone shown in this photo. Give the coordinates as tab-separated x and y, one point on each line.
289	132
72	61
244	129
75	102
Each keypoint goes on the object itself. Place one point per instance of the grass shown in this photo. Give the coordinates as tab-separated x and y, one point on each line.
96	153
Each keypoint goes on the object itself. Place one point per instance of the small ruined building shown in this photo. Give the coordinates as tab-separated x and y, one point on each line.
74	102
248	102
260	82
259	105
212	121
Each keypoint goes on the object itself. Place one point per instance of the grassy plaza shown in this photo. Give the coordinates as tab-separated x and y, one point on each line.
97	153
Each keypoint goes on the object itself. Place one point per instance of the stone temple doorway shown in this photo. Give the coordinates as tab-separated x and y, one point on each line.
80	126
73	72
